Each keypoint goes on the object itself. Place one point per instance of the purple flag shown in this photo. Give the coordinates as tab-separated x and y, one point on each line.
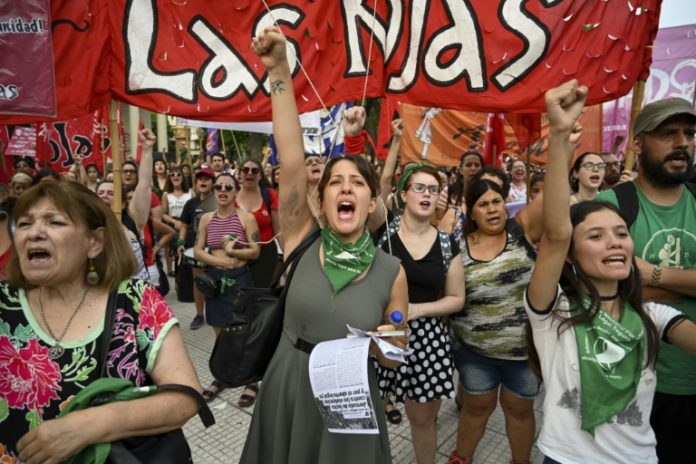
212	142
672	74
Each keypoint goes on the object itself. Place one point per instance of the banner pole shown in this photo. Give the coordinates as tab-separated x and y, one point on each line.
636	105
222	141
116	205
236	147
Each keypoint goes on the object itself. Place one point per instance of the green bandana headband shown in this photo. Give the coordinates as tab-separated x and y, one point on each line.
610	355
345	261
408	170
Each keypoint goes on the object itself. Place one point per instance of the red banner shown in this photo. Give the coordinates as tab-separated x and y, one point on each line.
58	143
26	70
193	59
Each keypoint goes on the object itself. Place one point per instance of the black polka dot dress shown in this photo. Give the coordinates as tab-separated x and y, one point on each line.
428	374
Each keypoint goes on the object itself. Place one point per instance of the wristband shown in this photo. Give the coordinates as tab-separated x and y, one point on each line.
180	242
354	144
656	276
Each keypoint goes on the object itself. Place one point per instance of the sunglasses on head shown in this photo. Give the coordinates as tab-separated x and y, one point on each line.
420	188
247	170
225	187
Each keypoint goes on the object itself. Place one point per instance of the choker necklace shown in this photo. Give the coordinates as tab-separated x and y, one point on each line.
56	351
610	297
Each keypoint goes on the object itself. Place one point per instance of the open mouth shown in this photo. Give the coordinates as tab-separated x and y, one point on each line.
346	210
425	204
595	179
615	260
38	255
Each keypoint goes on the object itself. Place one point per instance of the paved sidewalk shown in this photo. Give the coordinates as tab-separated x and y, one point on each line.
223	442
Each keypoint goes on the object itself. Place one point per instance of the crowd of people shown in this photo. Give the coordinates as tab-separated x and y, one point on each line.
576	279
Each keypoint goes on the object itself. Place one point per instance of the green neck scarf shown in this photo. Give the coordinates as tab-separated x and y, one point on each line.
611	355
344	261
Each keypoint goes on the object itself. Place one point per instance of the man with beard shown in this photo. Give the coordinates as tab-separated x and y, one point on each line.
664	232
612	172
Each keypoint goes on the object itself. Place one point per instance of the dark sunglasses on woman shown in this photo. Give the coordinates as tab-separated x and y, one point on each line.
225	187
247	170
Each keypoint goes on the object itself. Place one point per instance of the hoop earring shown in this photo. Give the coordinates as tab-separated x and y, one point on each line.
92	276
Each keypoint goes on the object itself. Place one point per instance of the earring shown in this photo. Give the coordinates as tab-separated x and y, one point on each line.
92	276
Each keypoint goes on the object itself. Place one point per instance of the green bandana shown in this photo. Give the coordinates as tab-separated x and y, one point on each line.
344	261
408	170
611	356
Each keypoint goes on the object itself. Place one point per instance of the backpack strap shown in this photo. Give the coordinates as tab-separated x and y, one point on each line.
691	187
446	248
627	199
392	228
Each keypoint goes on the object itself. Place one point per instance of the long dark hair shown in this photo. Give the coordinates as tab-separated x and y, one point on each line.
473	193
576	285
575	170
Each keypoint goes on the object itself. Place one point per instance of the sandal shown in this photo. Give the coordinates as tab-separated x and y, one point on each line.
247	400
393	415
209	394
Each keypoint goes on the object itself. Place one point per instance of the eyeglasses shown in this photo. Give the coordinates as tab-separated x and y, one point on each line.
592	166
614	164
247	170
174	174
225	187
420	188
128	171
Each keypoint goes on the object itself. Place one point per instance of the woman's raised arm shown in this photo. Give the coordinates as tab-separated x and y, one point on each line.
564	105
294	215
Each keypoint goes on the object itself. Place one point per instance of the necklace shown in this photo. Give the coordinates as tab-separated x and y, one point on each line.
56	351
609	297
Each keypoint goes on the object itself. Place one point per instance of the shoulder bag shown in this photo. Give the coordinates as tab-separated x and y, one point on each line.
169	447
245	346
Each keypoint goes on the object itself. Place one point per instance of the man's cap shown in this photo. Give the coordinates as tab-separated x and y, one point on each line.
205	172
655	113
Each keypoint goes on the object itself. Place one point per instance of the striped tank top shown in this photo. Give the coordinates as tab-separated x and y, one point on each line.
220	227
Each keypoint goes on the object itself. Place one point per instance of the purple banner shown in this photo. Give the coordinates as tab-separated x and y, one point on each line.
27	83
672	74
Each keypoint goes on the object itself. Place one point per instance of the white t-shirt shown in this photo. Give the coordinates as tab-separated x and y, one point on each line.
628	437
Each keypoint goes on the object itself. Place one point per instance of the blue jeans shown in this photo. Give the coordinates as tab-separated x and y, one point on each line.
480	375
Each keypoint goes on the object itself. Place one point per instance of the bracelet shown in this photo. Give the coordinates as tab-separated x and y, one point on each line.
180	242
656	276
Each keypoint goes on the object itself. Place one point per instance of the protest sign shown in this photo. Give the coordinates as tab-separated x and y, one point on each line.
22	142
27	83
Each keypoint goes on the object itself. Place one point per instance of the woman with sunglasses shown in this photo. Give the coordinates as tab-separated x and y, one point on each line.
435	289
341	279
586	177
227	241
259	199
176	194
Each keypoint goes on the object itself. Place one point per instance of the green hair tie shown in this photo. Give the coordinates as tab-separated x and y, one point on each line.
408	170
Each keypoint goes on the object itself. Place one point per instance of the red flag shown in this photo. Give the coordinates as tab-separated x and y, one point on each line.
527	127
494	143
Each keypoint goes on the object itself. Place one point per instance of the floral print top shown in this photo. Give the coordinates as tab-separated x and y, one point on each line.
34	388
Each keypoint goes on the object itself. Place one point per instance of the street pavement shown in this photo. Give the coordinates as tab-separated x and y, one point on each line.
223	442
